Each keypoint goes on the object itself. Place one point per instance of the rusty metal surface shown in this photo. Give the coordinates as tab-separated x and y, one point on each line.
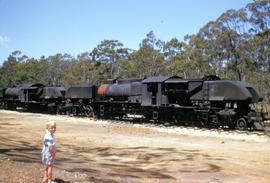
102	89
120	90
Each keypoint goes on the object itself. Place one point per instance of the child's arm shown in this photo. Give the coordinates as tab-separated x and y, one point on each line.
51	152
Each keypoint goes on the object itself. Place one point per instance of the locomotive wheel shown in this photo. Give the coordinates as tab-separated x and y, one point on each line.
241	124
68	111
59	109
74	111
120	116
88	111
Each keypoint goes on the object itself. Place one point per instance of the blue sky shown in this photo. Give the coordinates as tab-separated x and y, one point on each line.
47	27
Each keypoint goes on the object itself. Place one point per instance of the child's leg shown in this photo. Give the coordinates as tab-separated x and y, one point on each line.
45	175
50	170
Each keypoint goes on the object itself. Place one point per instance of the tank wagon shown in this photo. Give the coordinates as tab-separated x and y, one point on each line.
118	99
78	100
207	102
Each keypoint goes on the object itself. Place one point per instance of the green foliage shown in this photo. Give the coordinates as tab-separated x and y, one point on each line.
234	46
12	69
110	53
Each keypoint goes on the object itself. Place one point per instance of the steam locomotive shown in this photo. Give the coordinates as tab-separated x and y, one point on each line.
206	102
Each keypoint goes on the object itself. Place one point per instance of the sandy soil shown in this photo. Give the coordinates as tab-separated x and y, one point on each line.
109	151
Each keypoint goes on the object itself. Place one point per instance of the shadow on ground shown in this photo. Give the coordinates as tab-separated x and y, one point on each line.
134	163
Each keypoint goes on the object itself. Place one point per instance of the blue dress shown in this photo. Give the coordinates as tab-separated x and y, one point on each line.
48	141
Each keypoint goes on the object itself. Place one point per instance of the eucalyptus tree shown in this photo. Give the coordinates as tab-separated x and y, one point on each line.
110	53
174	54
12	68
31	71
259	47
233	26
83	70
196	58
212	39
149	59
57	65
259	23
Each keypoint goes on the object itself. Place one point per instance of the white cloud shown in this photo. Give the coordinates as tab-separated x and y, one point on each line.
3	40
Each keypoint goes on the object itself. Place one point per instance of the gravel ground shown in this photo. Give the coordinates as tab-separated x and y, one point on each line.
90	150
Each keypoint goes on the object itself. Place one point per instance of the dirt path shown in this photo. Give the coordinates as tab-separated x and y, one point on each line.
107	151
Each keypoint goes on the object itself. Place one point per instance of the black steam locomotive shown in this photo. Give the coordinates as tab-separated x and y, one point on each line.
207	102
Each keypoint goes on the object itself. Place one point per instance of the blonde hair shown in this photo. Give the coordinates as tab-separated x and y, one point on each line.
50	123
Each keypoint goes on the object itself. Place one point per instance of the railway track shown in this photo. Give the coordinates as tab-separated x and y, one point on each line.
259	136
263	135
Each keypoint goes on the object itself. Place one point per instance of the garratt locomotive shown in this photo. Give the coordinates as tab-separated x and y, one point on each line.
207	102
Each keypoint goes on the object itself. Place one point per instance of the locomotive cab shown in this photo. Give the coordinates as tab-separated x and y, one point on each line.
162	91
30	93
167	91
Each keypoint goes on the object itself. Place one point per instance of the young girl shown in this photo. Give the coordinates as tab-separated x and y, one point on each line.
49	151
